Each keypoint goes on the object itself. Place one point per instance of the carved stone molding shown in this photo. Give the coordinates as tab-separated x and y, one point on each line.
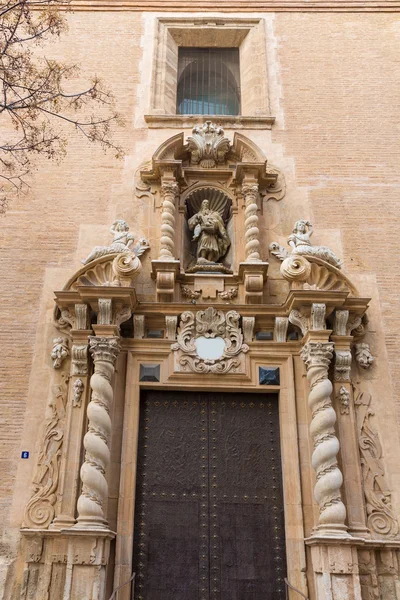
380	516
280	329
97	456
190	294
78	388
300	319
340	322
317	357
60	351
343	396
80	359
210	324
208	146
171	324
138	327
229	294
309	320
248	324
342	369
363	354
40	509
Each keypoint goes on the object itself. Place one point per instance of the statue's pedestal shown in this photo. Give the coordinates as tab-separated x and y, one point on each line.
165	273
254	276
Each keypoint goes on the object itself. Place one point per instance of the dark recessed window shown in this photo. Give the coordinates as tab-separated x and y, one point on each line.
208	81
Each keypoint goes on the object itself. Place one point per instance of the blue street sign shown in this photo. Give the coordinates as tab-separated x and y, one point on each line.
24	454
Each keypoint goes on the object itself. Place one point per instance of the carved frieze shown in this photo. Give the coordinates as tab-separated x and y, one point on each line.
380	516
210	324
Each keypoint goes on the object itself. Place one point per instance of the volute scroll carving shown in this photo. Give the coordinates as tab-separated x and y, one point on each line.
210	324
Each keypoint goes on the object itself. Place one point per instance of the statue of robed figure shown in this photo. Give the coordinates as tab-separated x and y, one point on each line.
210	234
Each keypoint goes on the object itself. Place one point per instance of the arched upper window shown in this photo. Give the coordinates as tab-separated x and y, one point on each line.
208	81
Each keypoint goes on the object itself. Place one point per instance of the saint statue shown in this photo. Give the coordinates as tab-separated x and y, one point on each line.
300	242
210	234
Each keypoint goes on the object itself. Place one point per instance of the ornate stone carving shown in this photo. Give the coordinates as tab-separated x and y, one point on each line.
276	189
207	146
169	192
317	357
97	456
211	238
340	322
105	311
209	323
138	327
187	292
300	319
122	314
59	352
122	239
364	357
248	324
81	316
80	359
300	242
342	370
252	233
380	516
343	396
171	325
229	294
40	510
78	387
280	329
318	312
295	268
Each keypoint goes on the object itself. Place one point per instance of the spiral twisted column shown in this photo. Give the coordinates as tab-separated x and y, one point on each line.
169	192
252	232
317	357
97	453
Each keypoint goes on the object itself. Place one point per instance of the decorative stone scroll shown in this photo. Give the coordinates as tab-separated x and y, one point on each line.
97	457
210	324
208	146
380	516
317	357
40	509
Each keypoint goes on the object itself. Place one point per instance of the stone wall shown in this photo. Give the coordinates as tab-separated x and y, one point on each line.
333	87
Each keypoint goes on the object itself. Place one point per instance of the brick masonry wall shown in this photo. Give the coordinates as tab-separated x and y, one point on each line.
336	97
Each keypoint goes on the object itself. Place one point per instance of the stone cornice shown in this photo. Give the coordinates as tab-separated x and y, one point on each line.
242	6
189	121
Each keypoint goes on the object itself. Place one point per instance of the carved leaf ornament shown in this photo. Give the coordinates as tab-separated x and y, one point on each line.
210	324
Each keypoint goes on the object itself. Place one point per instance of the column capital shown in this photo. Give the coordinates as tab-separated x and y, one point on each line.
104	348
317	354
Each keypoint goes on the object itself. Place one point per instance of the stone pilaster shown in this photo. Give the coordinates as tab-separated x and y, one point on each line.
104	351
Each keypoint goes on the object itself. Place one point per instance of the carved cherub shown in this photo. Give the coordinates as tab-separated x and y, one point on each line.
300	242
121	243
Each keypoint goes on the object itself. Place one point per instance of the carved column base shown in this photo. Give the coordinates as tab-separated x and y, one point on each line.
165	273
335	570
66	564
254	275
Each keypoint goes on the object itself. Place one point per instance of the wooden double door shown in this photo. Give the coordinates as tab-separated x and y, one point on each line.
209	522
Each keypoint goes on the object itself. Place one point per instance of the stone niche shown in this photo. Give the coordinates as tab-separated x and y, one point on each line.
214	248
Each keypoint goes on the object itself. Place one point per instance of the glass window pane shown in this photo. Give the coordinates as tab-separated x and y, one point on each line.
208	81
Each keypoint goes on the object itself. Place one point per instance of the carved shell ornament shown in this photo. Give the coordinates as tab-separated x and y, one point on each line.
208	146
209	341
115	265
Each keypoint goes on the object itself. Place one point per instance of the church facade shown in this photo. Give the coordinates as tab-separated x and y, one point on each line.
200	370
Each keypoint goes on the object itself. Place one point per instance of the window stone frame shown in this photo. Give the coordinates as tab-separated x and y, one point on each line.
246	34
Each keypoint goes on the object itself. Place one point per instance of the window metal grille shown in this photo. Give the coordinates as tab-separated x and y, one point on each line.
208	81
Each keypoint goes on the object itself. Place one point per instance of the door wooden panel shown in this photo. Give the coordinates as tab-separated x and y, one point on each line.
209	504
